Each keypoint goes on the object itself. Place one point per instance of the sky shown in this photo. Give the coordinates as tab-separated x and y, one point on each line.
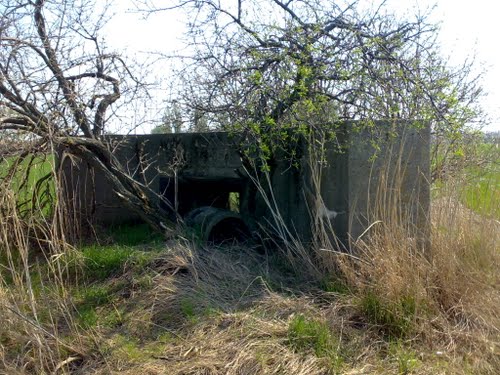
468	29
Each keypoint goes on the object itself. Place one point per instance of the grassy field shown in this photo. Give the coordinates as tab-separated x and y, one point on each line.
134	304
481	187
476	182
21	176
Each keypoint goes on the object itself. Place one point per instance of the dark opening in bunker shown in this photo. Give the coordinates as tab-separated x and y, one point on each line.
210	206
188	193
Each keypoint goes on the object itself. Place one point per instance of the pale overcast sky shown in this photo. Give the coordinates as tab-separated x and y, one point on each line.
468	28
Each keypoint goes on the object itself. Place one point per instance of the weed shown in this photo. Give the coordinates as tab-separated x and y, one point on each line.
87	316
127	348
335	285
113	318
94	295
101	262
165	337
234	201
88	299
406	358
263	357
394	318
211	312
144	282
193	309
308	334
105	316
188	309
482	193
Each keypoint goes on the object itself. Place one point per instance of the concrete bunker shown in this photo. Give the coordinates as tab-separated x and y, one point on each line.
200	178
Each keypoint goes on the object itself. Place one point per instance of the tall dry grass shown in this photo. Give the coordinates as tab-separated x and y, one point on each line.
435	287
237	311
442	294
35	318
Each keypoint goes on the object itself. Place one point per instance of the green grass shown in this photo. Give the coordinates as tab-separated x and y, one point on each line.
87	300
188	309
479	181
24	181
334	285
102	262
99	264
305	334
482	192
406	359
94	295
394	319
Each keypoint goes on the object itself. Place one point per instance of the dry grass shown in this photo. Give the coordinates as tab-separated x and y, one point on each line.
208	311
394	307
34	305
443	297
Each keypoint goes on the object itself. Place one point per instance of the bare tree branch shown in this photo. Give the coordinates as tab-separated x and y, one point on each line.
59	86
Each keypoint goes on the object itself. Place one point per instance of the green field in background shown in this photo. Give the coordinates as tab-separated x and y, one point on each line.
481	188
23	181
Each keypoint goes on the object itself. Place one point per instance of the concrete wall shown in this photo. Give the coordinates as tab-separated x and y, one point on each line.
396	175
153	160
204	168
